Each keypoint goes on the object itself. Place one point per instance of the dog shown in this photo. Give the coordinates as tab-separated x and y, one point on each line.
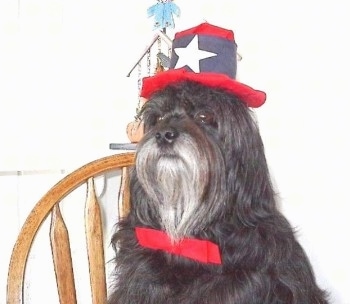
201	176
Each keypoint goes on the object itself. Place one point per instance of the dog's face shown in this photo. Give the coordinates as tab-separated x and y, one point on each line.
200	154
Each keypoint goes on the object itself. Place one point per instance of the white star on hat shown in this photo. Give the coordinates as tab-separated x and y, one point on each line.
191	54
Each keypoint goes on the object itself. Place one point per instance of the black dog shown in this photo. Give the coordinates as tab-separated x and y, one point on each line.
201	174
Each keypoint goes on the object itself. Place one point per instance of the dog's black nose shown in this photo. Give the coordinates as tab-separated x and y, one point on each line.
167	135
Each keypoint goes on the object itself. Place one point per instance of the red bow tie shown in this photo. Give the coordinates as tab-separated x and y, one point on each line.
199	250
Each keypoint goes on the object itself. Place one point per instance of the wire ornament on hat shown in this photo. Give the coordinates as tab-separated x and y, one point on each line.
163	13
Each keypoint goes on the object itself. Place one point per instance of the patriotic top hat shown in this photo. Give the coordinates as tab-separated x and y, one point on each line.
206	54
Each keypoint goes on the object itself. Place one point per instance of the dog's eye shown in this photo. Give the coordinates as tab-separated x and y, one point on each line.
154	119
158	119
205	117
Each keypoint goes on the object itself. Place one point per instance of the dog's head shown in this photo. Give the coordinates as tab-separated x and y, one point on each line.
201	159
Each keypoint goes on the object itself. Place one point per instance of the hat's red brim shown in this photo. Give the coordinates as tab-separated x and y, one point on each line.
253	98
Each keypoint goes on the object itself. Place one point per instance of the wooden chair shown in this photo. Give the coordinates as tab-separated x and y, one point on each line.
59	236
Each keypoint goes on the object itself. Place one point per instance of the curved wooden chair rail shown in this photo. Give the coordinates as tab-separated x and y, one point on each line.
59	238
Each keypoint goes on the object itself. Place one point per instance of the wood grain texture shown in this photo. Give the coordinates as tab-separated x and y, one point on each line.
124	193
62	259
94	241
42	209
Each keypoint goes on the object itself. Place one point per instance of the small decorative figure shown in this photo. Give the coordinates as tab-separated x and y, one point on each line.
163	14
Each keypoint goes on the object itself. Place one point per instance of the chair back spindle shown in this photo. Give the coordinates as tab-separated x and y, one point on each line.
48	207
62	259
94	240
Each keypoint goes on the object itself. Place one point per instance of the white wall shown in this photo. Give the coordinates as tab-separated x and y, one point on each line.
64	96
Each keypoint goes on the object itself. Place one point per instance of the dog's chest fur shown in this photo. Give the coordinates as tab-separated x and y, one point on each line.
201	173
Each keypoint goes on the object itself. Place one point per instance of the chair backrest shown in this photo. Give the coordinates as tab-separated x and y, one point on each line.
59	236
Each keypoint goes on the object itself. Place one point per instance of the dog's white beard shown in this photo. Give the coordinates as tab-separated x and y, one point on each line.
177	184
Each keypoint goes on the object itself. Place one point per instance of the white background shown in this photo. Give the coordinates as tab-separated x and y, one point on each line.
64	96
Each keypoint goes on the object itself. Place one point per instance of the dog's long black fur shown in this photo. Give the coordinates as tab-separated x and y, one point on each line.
201	172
